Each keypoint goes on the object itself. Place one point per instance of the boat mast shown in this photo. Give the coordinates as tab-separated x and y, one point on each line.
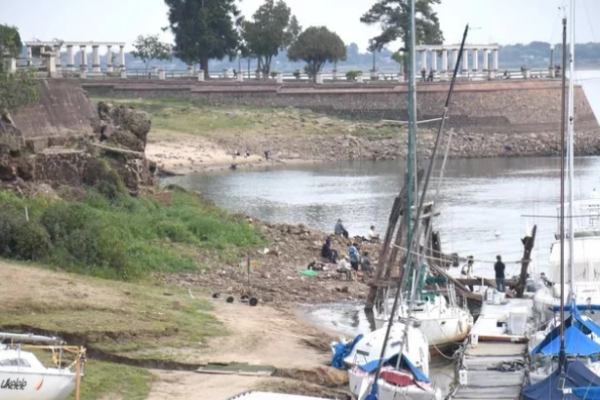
562	351
571	155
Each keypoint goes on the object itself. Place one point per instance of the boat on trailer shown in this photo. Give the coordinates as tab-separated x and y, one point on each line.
24	377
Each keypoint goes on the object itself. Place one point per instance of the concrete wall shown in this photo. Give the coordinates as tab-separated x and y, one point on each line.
63	109
494	107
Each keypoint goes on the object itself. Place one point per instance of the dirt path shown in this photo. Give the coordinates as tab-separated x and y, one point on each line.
258	335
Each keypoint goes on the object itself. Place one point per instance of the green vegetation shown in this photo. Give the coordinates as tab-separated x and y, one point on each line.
271	29
102	379
118	238
392	16
19	88
149	48
317	46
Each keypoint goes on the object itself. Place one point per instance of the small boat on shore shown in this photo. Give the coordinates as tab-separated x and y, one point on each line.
24	377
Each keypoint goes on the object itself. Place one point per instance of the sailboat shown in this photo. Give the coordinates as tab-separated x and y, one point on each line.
396	357
572	379
24	377
584	234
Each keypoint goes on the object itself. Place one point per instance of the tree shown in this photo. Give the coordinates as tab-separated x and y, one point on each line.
270	31
19	88
149	48
316	46
393	16
204	29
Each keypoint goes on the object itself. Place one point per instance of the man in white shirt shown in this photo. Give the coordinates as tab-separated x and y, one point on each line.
372	235
345	268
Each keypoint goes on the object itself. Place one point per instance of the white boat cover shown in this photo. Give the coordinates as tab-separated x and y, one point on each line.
271	396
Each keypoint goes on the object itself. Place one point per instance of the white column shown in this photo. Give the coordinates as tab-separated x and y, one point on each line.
12	65
161	74
319	79
465	60
226	73
240	76
486	60
496	60
423	59
123	73
58	61
444	60
476	60
82	60
454	58
434	57
359	78
95	59
29	56
190	70
200	76
279	77
109	56
70	58
122	57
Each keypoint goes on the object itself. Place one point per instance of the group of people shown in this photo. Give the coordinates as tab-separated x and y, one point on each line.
499	269
425	77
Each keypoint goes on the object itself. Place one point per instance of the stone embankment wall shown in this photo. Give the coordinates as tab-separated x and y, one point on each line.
480	107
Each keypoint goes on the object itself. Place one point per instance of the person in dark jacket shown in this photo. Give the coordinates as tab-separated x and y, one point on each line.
499	267
340	229
328	253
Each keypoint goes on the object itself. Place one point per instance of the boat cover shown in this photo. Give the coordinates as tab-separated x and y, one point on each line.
583	383
271	396
342	350
371	366
576	340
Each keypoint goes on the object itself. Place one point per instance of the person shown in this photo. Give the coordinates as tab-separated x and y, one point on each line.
353	253
267	153
430	77
340	230
423	74
467	269
328	253
365	262
372	235
344	267
234	73
237	153
499	267
314	265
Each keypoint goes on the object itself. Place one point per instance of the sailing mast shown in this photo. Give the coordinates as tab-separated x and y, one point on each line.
562	352
571	118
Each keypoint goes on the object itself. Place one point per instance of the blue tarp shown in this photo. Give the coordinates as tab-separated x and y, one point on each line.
341	351
419	375
577	377
576	344
576	341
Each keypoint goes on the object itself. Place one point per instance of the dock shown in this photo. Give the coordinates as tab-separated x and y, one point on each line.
492	363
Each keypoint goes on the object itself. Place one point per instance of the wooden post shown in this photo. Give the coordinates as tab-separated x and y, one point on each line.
77	377
528	243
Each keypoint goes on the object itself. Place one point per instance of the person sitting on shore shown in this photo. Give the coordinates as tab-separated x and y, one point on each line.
328	253
340	230
372	236
314	265
344	267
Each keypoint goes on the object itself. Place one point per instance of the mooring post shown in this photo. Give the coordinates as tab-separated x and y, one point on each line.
528	243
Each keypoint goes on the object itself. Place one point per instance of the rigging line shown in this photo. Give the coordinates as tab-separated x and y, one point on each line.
589	20
464	259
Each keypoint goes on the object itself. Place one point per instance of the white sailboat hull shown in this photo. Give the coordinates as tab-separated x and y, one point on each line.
21	384
361	384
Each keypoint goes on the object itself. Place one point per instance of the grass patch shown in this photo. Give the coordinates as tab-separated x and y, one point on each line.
120	238
119	381
172	116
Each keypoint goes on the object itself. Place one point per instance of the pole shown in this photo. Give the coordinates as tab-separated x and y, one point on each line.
528	243
571	118
562	352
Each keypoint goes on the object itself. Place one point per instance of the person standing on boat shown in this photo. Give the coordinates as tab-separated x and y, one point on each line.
499	267
353	253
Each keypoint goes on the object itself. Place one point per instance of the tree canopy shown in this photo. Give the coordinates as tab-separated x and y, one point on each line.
19	88
393	17
149	48
204	29
271	30
316	46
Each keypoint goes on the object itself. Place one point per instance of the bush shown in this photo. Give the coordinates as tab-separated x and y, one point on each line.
117	238
297	74
273	74
352	75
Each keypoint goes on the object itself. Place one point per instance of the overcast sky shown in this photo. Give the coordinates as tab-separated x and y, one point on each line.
504	21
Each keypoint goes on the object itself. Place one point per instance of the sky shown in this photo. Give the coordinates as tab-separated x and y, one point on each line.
492	21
